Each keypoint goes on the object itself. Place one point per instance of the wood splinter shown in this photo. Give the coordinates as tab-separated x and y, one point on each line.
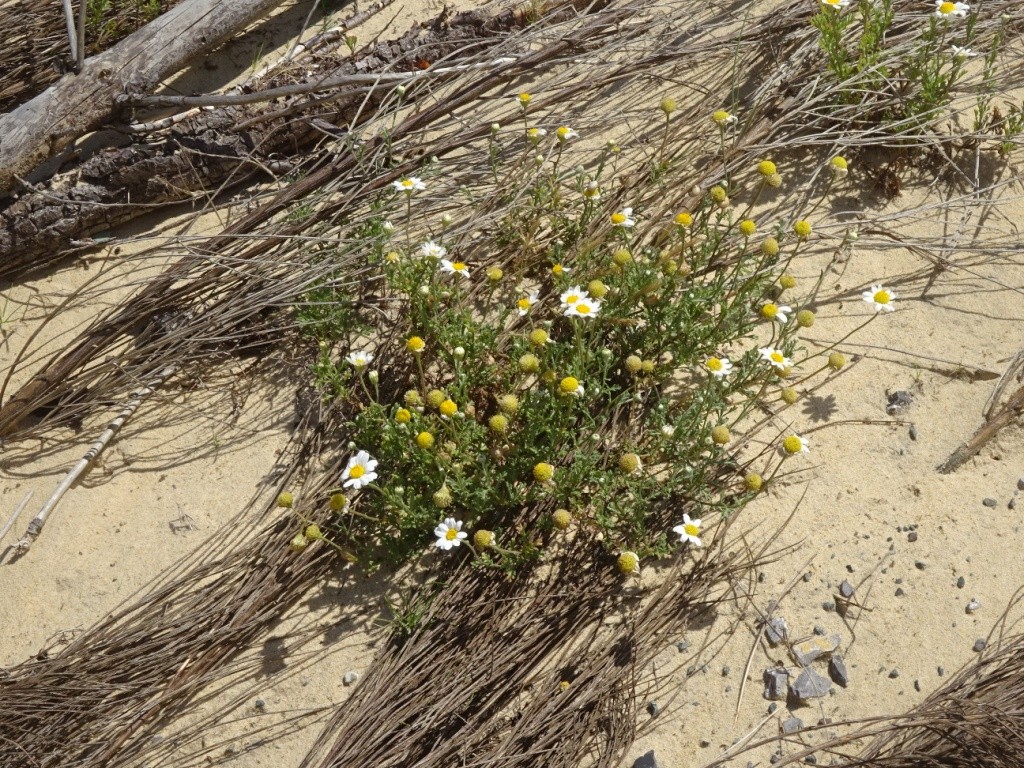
35	527
1009	413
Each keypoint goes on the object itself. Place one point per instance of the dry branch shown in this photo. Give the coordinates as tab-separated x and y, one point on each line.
81	102
213	146
35	527
35	50
1008	414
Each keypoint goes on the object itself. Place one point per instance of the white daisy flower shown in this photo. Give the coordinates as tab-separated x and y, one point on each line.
795	444
433	250
835	3
455	268
565	133
723	118
535	135
449	534
571	296
777	312
623	218
775	357
523	305
583	307
946	10
361	470
880	298
409	184
719	367
689	531
592	192
359	359
963	53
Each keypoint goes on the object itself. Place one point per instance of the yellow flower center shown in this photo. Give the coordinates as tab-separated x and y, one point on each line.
769	311
792	444
523	304
882	297
407	183
572	298
691	529
714	364
778	357
448	408
618	218
583	309
451	534
947	8
569	385
558	269
459	266
357	471
563	132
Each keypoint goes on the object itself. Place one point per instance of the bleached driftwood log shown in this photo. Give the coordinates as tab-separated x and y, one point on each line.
79	103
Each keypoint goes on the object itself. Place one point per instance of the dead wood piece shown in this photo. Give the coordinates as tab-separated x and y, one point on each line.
210	147
78	103
1009	413
35	527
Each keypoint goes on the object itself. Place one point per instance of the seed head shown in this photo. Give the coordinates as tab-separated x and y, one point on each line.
498	423
628	563
435	397
767	168
539	337
561	519
403	416
494	274
442	497
770	247
529	363
634	364
412	398
789	395
285	499
338	502
720	435
543	472
753	482
448	408
313	532
597	289
836	360
483	539
630	463
748	228
298	543
668	105
622	257
425	440
508	403
787	281
802	229
805	318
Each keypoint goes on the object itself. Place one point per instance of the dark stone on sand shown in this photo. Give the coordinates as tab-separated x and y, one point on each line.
810	685
775	682
792	725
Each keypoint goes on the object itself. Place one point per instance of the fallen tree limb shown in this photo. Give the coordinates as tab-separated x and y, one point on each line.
78	103
35	51
210	147
1009	413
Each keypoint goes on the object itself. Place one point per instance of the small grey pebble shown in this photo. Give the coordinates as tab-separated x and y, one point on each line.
772	707
811	760
726	670
807	577
899	592
893	674
989	502
920	565
774	758
705	743
941	671
230	750
899	579
850	568
961	582
760	578
913	432
792	724
972	606
260	704
846	589
912	537
691	671
652	708
350	677
682	646
728	689
917	685
819	630
1020	483
828	606
1012	503
979	645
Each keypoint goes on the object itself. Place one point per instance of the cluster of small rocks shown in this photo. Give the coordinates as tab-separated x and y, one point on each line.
780	684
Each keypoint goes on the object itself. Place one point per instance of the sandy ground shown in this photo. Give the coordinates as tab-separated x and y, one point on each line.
870	509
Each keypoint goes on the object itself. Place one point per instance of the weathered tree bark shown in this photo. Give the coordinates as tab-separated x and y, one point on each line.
76	104
203	151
